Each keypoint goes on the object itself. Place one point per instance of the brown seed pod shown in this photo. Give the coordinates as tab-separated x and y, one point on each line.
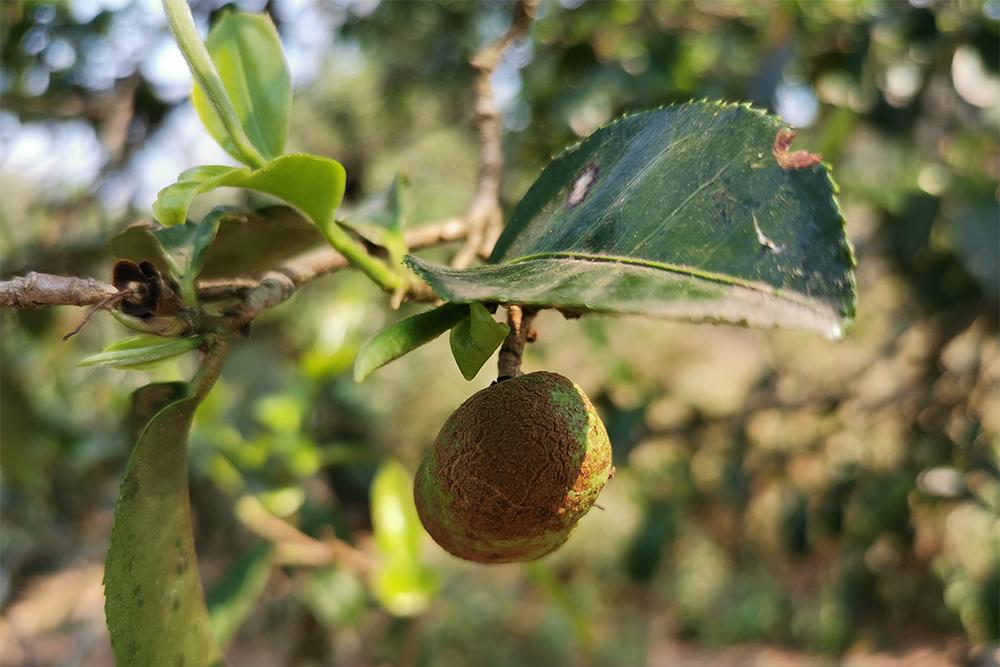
513	470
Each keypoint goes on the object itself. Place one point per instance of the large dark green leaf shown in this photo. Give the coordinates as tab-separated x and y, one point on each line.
247	53
153	596
683	212
246	243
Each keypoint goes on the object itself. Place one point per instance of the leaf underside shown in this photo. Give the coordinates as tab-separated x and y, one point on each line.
154	604
247	243
682	212
475	339
141	352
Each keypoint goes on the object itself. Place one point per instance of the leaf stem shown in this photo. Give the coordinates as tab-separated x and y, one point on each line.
203	69
519	318
211	365
355	253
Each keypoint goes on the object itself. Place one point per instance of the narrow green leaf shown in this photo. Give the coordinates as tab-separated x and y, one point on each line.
475	339
693	212
141	352
247	54
234	596
402	584
203	70
399	203
154	604
405	336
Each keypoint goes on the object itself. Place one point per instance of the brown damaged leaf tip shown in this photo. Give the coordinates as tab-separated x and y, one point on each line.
792	159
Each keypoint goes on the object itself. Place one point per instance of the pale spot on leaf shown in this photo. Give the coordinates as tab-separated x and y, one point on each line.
582	184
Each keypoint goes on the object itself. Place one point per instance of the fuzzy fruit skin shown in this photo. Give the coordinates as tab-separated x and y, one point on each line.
513	470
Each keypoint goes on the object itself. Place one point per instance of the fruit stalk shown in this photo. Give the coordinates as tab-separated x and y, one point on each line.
512	350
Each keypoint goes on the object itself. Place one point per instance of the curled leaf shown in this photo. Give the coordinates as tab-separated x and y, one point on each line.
475	339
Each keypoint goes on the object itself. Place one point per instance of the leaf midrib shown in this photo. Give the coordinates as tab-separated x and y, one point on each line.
805	301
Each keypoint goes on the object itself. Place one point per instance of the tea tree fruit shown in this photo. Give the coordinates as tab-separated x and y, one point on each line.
513	470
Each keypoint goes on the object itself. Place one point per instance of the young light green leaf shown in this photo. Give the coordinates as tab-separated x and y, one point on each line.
691	212
382	221
206	76
247	54
335	596
393	241
172	202
402	584
185	246
234	596
142	352
475	339
312	184
405	336
399	203
154	605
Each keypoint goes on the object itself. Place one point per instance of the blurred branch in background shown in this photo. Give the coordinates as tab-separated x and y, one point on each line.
484	219
292	546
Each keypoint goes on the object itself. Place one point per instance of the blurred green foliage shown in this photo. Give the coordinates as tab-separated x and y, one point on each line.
771	488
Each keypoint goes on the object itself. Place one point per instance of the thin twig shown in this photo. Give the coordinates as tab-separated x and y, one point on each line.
276	287
292	546
39	290
484	217
520	319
